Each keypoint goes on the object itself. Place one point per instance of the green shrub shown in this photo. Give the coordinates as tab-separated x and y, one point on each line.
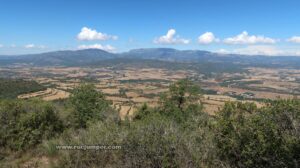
251	137
155	141
89	105
26	123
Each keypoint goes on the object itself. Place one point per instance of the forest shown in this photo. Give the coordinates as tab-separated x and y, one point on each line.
11	88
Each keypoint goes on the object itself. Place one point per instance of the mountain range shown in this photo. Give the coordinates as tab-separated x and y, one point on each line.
94	56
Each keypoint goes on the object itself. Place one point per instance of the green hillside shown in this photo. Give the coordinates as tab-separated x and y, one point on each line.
11	88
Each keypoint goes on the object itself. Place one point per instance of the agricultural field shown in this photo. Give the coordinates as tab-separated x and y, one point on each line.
129	88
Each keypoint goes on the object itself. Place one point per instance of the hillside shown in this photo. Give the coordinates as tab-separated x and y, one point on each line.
93	56
11	88
62	58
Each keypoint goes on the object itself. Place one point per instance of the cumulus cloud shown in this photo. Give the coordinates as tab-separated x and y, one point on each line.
259	50
245	38
222	51
170	38
268	50
207	38
294	39
88	34
30	46
1	45
108	48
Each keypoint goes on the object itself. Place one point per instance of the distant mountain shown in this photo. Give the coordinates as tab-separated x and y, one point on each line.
198	56
168	54
68	58
96	56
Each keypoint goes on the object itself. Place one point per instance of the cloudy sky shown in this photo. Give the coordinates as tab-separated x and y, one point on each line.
269	27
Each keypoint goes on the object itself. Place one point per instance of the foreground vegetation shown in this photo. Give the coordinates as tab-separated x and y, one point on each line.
177	133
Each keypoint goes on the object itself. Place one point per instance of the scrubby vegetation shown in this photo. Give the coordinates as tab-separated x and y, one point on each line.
268	137
177	133
25	124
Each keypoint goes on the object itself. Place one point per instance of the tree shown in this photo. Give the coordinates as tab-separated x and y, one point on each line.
89	104
182	100
142	112
122	92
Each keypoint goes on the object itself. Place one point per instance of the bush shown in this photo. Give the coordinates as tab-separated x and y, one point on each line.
89	105
155	141
26	123
251	137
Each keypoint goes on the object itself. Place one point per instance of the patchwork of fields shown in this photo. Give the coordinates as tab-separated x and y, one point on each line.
128	88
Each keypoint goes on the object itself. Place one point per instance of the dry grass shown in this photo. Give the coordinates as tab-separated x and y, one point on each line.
48	95
126	111
110	91
56	94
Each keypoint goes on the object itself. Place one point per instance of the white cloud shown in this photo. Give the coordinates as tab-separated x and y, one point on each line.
207	38
108	48
30	46
1	45
294	39
222	51
170	39
245	38
268	50
90	34
259	50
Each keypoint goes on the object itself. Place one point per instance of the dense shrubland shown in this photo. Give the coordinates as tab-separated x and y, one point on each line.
177	133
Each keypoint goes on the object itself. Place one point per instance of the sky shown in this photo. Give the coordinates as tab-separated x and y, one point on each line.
268	27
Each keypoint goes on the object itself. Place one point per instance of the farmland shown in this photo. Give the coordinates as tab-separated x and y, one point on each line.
129	87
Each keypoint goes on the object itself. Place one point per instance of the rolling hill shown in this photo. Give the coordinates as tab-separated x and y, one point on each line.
95	56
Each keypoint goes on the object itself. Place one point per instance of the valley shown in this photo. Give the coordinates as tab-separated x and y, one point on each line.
149	84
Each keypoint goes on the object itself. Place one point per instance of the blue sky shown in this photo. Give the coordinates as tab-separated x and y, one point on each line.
270	27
